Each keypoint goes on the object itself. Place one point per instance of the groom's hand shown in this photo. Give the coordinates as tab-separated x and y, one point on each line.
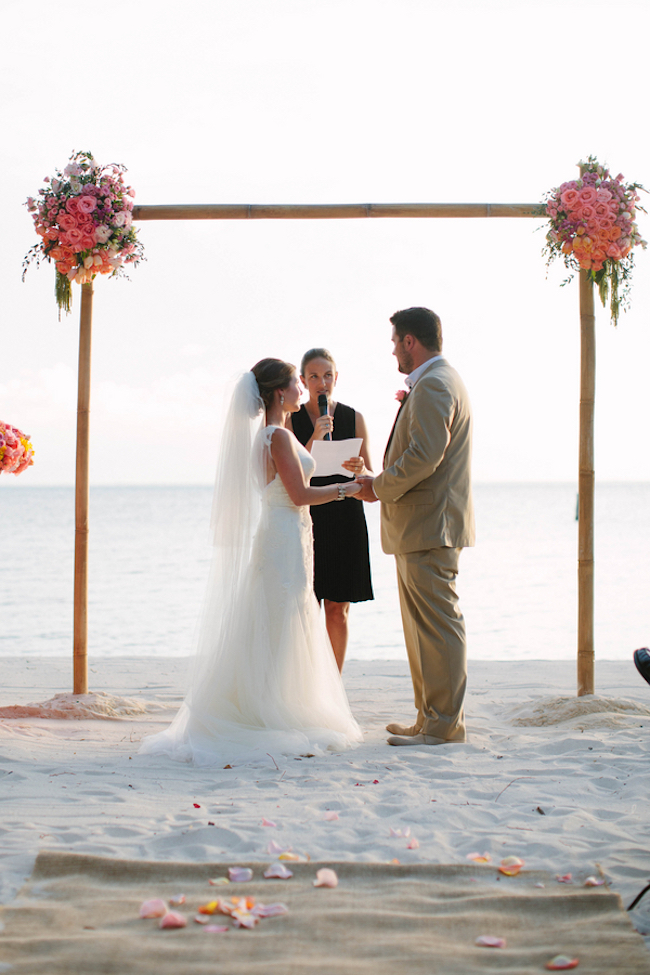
366	493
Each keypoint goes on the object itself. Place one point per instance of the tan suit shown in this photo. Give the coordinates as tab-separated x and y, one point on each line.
427	517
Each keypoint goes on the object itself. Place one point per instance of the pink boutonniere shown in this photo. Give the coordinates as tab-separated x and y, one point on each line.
401	395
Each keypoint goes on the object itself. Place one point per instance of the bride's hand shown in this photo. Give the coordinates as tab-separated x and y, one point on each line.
322	426
355	466
352	488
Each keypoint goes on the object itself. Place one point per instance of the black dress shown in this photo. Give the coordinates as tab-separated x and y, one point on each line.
341	556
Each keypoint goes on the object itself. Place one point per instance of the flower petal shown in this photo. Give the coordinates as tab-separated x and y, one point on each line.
279	871
594	882
489	941
330	816
268	822
240	875
511	866
173	920
561	963
216	928
153	908
326	878
479	857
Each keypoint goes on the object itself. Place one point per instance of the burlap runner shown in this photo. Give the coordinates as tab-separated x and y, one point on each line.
79	915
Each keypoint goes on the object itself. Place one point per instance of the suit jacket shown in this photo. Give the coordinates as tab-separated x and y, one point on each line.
425	487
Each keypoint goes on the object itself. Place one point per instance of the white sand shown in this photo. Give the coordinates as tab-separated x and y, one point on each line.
561	782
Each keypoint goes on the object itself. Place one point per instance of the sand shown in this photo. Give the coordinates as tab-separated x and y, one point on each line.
559	781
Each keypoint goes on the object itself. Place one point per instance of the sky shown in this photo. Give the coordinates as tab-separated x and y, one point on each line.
315	101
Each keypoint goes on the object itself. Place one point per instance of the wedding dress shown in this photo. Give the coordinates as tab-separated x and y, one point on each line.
266	682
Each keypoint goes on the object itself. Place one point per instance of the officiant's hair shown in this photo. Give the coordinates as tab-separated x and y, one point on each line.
316	354
422	323
272	374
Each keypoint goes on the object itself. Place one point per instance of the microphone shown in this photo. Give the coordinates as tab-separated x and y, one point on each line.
322	410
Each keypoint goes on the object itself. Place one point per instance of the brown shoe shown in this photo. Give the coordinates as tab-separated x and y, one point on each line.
402	729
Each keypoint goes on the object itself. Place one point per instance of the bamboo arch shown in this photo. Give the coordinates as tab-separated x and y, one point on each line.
350	211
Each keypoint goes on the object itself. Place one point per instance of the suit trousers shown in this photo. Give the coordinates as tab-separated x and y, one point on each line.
434	631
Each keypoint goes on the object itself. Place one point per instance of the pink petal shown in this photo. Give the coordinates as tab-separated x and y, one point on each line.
216	928
489	941
270	910
594	882
202	918
279	871
173	920
330	816
511	866
567	878
413	845
240	875
268	822
479	857
274	848
177	900
400	832
561	963
326	878
153	908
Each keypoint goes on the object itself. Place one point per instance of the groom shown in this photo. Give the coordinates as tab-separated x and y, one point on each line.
426	519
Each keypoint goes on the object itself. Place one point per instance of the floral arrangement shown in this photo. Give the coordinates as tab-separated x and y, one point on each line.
593	228
16	451
83	217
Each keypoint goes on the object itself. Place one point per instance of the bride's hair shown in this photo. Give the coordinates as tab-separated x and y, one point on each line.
272	374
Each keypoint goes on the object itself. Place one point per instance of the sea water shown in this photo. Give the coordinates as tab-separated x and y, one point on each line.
149	559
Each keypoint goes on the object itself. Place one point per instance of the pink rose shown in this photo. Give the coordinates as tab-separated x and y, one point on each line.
603	195
587	195
587	212
569	198
72	204
73	239
400	395
86	204
66	221
614	251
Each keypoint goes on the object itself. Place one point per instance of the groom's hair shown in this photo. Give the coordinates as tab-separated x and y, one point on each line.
422	323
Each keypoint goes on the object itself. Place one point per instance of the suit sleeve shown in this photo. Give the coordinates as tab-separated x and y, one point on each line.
430	416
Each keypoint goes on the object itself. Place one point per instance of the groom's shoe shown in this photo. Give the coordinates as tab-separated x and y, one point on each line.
418	739
642	662
403	729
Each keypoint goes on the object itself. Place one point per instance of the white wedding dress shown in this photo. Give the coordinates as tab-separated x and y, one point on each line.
269	684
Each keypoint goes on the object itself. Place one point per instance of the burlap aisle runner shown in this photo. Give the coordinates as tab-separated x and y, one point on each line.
79	915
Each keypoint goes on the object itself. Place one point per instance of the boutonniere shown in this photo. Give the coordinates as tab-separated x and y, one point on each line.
401	395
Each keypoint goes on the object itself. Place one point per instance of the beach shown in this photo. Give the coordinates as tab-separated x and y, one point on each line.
559	781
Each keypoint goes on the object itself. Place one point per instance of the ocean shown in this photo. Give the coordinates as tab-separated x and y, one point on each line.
149	561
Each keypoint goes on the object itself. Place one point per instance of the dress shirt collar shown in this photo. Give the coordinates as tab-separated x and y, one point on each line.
413	377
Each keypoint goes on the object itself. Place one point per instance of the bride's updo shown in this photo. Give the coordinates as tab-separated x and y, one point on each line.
272	374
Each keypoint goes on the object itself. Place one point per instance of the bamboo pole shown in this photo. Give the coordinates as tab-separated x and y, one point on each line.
80	637
332	211
586	488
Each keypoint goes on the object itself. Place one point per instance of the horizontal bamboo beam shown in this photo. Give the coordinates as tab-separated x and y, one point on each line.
332	211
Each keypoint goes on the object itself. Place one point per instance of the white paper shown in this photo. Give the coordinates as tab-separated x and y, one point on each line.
329	454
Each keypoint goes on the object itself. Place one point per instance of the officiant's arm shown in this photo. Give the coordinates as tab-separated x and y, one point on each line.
287	463
322	426
360	466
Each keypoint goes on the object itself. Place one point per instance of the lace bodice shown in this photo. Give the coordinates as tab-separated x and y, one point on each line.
275	492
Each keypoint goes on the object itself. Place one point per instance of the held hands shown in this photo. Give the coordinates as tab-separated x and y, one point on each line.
322	426
352	489
366	493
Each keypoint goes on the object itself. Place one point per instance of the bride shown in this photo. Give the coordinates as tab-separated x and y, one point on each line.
265	680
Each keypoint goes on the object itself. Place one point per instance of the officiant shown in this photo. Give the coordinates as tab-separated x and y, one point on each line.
341	553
